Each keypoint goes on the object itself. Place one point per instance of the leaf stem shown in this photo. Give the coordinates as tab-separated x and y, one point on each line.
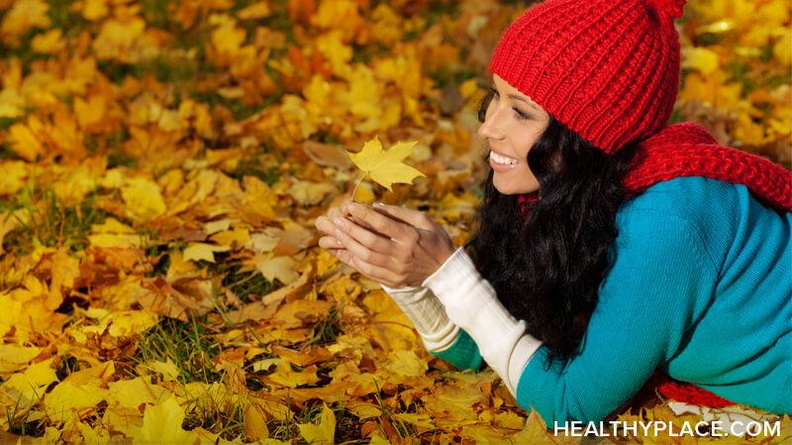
357	184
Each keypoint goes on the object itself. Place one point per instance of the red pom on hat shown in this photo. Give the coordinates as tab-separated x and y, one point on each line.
670	8
607	69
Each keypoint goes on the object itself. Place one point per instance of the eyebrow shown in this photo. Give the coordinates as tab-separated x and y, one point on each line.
526	101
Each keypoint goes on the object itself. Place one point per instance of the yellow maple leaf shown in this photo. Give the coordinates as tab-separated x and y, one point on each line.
23	16
24	139
14	175
94	10
281	268
163	424
51	42
203	251
135	392
324	432
386	167
405	363
28	387
285	375
126	323
15	357
143	199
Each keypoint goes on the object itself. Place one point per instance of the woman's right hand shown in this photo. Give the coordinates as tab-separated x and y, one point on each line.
394	246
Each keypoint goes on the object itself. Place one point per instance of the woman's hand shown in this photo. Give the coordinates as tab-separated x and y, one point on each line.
392	245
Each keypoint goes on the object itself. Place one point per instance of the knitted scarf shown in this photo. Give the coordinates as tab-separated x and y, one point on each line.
688	149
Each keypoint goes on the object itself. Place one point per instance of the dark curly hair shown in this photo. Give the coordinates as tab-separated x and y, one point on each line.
546	256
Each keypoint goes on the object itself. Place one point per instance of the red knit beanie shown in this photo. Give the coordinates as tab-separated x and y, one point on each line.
607	69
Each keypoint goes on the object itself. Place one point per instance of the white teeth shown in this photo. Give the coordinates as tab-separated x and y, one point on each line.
502	160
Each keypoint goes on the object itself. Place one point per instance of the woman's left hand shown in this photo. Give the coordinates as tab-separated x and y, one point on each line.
395	246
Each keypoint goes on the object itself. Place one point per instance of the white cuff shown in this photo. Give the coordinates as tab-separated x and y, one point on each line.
428	316
471	303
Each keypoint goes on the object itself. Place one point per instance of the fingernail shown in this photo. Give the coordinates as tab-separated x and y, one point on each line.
338	222
353	206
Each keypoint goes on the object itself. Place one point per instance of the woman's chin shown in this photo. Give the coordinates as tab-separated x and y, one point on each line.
512	188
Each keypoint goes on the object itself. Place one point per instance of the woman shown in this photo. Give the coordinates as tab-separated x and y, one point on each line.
610	245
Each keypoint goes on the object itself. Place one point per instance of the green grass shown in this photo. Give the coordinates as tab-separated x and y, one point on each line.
327	329
246	285
188	344
223	417
45	221
252	166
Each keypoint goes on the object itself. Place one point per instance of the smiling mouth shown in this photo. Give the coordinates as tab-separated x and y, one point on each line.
502	160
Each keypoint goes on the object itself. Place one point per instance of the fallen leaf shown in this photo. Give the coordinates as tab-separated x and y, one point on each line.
162	423
322	432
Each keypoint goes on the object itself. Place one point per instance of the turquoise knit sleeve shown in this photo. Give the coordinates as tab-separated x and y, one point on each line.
660	281
463	353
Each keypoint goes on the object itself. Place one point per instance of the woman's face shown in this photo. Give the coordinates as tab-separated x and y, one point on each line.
512	125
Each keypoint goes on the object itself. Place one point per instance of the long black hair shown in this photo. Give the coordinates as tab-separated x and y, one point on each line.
546	255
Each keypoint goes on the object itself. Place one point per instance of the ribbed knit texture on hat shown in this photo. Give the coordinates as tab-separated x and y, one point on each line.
607	69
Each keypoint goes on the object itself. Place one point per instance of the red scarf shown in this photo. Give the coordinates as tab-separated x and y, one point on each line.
688	149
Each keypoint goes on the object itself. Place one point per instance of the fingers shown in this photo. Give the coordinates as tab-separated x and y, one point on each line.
330	243
366	246
412	217
379	222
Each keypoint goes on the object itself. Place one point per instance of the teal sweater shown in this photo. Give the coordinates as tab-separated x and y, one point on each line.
700	288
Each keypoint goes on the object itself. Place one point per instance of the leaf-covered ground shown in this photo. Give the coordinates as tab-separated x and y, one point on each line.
162	163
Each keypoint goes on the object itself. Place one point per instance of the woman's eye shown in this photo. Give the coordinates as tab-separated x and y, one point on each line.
521	114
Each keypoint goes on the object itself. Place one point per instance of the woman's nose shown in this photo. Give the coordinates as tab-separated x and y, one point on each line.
489	129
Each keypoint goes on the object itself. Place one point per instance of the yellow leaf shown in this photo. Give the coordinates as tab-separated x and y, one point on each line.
131	323
24	16
404	363
782	50
257	10
310	193
51	42
163	424
279	268
285	375
232	238
29	386
143	199
13	178
169	371
94	10
11	103
704	60
324	432
89	112
114	234
135	392
203	251
23	140
422	421
14	357
534	431
255	422
69	400
386	167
